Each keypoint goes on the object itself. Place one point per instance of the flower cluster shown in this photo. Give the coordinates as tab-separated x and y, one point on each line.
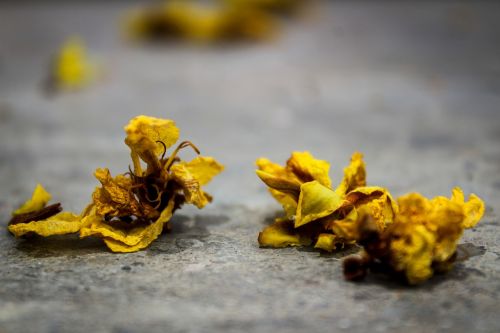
130	210
411	236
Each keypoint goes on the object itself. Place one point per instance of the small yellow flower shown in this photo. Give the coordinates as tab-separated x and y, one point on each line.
316	212
72	69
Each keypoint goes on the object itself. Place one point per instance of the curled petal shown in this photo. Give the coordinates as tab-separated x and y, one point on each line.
473	208
326	242
375	201
135	239
282	234
354	175
190	185
39	199
59	224
203	168
315	201
284	185
308	169
148	137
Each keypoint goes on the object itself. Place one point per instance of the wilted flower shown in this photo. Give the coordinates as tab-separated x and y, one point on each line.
71	68
421	241
315	212
130	211
200	22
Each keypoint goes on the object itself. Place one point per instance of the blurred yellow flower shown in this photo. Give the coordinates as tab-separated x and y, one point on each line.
72	68
199	22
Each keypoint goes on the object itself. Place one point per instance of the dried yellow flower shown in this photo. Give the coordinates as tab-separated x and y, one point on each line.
200	22
315	211
423	238
129	211
72	69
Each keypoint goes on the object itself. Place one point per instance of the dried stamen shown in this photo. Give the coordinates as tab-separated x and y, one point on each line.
173	157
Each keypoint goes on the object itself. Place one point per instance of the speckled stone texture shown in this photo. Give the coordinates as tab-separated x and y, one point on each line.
413	85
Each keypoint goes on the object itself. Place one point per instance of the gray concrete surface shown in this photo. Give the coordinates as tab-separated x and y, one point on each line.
413	85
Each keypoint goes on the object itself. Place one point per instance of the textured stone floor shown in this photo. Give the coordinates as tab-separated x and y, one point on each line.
414	86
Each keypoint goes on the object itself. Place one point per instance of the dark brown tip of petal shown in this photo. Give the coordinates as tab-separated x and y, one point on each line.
38	215
355	267
368	231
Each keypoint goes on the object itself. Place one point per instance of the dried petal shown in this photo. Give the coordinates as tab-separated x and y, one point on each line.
307	168
59	224
315	201
132	240
354	175
39	199
326	242
282	234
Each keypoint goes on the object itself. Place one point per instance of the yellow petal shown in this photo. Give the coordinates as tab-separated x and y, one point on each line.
413	208
144	134
284	185
282	234
315	201
190	185
473	208
354	175
150	233
204	168
375	201
307	168
412	251
326	242
38	200
346	228
59	224
131	240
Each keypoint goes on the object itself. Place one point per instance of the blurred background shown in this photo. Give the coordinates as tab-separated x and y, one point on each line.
414	85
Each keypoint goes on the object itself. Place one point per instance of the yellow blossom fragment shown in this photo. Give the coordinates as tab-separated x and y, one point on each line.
199	22
315	201
59	224
39	199
72	67
354	175
303	187
127	240
423	237
307	168
148	137
192	175
326	242
282	234
35	217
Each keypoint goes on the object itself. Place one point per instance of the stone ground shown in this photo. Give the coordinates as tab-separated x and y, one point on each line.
413	85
